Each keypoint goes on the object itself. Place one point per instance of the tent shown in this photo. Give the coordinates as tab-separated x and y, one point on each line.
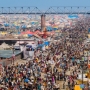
17	46
23	26
40	45
17	27
29	35
6	24
46	43
33	44
49	28
4	45
3	33
71	16
28	26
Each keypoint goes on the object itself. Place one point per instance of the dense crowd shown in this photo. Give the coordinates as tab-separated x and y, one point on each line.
49	67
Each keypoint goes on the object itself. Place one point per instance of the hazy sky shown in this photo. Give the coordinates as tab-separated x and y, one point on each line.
43	4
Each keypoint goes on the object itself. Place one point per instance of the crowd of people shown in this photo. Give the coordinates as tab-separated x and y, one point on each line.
49	67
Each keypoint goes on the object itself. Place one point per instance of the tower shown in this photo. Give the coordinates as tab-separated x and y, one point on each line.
42	22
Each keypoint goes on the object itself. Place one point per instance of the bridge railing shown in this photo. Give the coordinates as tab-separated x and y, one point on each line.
68	10
51	10
20	10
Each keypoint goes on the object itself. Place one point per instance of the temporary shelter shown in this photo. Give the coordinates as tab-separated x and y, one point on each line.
17	46
33	44
4	46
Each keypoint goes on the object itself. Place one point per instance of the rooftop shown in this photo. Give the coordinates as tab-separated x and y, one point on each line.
8	53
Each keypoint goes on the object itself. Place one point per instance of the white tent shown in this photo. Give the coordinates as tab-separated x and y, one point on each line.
16	44
33	44
4	46
28	26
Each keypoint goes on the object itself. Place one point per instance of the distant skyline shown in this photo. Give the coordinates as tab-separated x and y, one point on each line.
43	4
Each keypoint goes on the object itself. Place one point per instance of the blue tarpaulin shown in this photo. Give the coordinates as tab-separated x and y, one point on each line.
55	28
46	43
40	45
6	25
29	35
33	23
49	28
71	16
24	26
17	27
